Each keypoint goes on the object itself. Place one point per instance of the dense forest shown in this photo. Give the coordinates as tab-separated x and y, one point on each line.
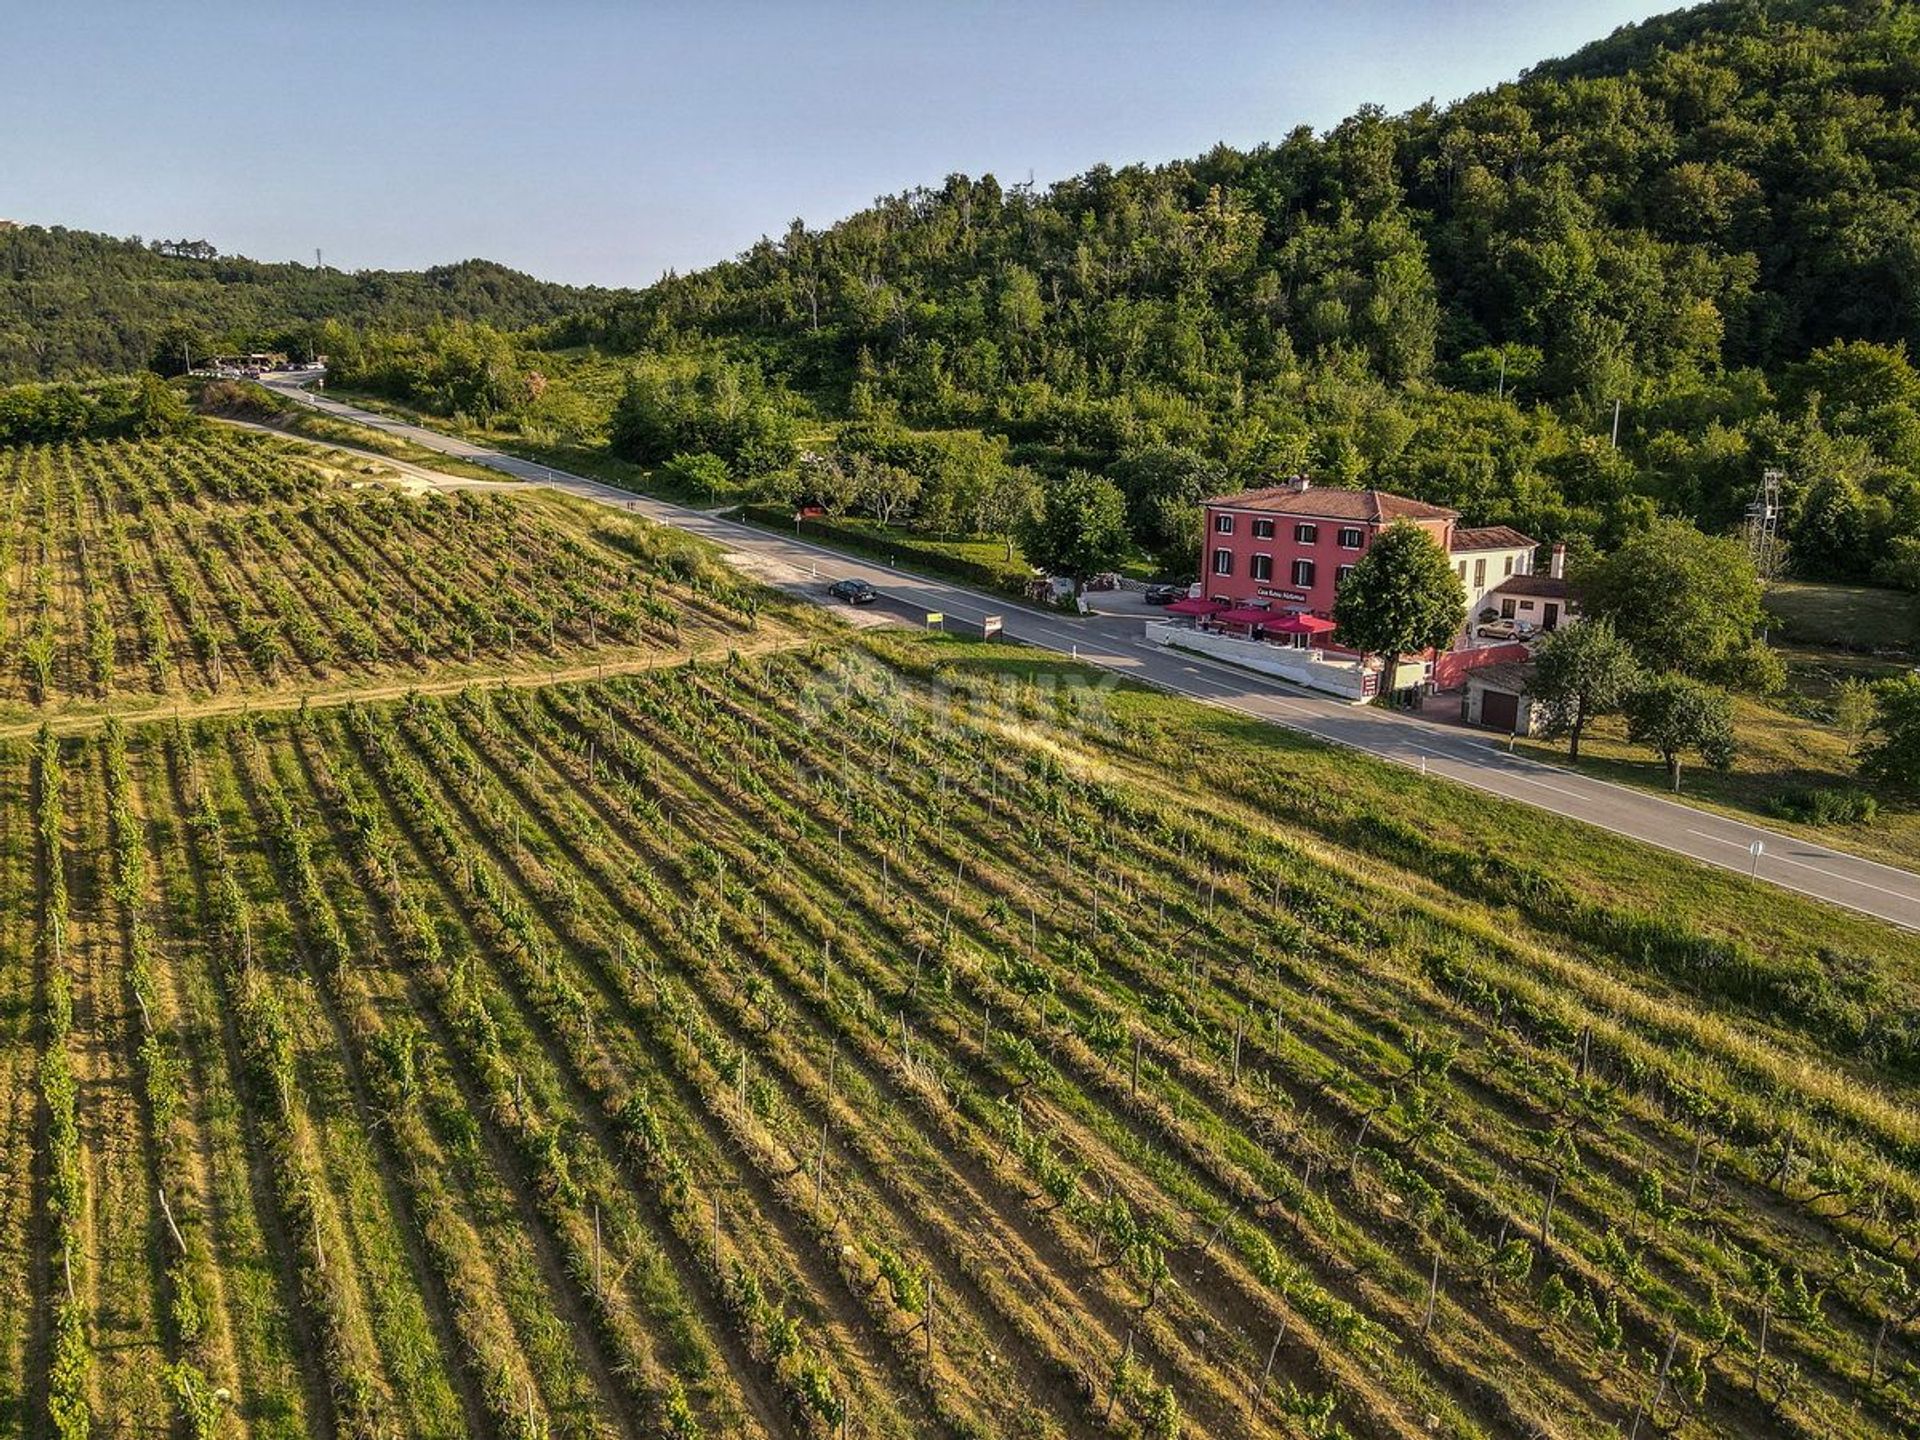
72	301
1711	220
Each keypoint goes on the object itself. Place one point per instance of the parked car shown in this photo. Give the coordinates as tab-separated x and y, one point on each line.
853	591
1499	630
1165	594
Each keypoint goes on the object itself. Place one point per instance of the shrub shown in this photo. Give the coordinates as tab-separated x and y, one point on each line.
1825	805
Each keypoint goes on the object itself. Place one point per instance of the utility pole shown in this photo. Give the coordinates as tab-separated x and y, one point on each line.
1616	424
1501	393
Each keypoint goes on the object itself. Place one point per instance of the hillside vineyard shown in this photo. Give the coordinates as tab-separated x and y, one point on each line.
213	565
841	1041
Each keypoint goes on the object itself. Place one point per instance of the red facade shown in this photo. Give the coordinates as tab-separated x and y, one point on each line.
1287	546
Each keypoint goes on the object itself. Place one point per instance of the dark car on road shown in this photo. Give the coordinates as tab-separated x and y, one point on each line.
853	591
1164	594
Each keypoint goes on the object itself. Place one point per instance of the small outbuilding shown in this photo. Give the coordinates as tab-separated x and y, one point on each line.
1499	697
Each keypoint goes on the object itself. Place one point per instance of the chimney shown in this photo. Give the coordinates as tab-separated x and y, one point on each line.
1559	561
1302	482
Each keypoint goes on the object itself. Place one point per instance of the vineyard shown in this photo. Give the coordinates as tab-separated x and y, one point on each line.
869	1039
144	573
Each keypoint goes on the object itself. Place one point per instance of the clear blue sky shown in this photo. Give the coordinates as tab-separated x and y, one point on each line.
594	141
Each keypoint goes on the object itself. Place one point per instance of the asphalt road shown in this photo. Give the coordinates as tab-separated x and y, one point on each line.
1118	645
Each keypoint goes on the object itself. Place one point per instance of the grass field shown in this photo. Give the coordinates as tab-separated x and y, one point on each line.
892	1037
138	574
1846	617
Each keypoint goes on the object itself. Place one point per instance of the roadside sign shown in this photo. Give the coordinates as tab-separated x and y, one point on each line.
1756	850
989	627
935	618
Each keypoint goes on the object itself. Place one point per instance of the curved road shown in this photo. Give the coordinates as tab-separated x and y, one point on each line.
1118	645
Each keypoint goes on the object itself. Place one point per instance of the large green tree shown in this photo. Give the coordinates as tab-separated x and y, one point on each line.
1582	672
1402	596
1683	600
1892	753
1078	527
1674	714
1164	485
157	408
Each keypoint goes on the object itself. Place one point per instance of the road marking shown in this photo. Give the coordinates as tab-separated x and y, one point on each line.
1818	870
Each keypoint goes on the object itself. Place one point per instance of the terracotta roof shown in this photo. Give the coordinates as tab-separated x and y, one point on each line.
1492	537
1374	506
1542	585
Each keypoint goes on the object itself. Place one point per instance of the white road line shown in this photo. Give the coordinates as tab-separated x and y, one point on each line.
1836	875
1818	870
1718	839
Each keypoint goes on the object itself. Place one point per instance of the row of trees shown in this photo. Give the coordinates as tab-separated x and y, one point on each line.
143	406
1590	670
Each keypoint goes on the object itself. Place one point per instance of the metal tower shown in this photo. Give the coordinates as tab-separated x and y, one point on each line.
1763	523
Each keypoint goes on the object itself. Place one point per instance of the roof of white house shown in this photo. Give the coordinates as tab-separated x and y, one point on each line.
1547	587
1492	537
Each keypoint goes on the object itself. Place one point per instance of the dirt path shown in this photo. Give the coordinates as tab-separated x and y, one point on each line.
624	661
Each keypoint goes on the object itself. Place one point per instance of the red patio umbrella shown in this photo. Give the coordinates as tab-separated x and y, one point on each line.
1194	605
1299	624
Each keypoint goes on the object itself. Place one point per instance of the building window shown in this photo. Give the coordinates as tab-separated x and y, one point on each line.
1526	604
1303	574
1223	524
1509	565
1340	576
1263	529
1506	609
1262	567
1223	562
1306	534
1480	574
1351	537
1463	572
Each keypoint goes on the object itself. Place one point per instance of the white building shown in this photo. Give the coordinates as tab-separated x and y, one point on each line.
1485	558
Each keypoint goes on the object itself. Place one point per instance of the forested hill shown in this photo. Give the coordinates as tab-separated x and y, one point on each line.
72	301
1681	218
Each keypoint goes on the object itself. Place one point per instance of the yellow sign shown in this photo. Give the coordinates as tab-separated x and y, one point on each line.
934	617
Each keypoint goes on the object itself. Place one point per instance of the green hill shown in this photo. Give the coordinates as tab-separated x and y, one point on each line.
72	301
1683	218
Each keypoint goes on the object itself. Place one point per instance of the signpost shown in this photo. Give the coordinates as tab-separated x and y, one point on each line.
990	627
1756	850
936	620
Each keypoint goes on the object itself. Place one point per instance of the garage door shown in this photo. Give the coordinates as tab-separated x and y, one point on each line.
1499	710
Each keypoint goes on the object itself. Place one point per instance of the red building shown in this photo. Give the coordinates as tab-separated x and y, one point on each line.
1286	547
1273	559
